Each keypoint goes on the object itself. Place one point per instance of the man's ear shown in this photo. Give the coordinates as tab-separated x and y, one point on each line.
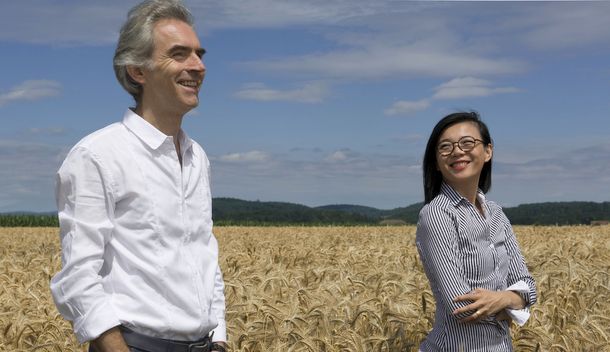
136	73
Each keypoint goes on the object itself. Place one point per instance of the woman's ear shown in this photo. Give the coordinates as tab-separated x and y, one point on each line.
489	151
136	73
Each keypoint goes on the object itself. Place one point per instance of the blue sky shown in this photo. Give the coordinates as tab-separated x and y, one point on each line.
323	102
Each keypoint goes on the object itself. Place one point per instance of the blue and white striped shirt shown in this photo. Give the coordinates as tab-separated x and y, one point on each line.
462	250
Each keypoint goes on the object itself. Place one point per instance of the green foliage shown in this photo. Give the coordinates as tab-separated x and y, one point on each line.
231	211
562	213
28	220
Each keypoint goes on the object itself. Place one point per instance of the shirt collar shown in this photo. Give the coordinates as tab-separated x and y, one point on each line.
185	141
455	198
149	134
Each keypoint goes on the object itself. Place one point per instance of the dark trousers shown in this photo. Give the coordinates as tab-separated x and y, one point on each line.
142	343
132	349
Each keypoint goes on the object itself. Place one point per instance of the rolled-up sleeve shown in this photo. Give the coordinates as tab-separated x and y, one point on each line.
438	248
85	208
517	270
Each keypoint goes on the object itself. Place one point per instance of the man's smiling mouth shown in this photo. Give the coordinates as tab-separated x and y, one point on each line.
190	83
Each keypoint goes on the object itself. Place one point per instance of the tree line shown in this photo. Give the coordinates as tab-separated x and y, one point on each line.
231	211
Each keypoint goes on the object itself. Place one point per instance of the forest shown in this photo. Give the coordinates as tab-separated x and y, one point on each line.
237	212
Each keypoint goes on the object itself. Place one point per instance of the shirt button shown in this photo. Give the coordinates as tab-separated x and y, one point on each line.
491	245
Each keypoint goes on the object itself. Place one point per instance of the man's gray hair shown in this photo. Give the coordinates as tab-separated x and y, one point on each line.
135	46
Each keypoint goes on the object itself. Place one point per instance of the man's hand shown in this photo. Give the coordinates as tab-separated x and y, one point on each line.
223	346
486	303
110	341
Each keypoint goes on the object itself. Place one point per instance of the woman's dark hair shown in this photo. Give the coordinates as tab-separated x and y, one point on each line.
432	176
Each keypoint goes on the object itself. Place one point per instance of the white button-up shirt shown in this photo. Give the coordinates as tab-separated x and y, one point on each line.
136	236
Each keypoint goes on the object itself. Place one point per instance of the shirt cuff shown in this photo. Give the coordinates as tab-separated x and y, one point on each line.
220	332
95	323
519	316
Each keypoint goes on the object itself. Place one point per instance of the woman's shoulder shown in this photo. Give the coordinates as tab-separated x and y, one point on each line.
441	201
496	211
493	205
440	206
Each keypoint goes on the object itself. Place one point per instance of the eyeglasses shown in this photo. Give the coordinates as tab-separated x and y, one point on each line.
466	144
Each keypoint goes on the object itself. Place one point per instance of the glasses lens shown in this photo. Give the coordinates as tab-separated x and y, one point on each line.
467	143
445	148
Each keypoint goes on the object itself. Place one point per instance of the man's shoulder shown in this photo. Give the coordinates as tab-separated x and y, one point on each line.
101	140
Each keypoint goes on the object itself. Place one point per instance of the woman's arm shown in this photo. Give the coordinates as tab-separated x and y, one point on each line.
438	249
486	302
517	270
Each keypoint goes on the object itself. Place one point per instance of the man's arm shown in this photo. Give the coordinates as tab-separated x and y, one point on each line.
85	206
218	308
110	341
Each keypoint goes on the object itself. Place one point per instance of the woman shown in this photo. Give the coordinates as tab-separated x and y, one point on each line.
469	251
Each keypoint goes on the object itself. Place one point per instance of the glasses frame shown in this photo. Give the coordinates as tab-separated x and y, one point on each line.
453	144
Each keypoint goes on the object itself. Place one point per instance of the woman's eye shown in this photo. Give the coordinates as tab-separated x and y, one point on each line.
444	146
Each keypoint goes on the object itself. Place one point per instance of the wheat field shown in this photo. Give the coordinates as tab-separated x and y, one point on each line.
332	289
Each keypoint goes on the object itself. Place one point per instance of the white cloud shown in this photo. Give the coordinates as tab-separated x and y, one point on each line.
253	156
282	13
404	107
541	25
336	156
457	88
31	90
310	93
341	155
97	22
62	23
560	175
388	62
27	171
312	178
560	25
467	87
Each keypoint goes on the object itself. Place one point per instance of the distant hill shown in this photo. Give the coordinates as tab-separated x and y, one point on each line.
408	214
228	211
232	211
560	213
356	209
556	213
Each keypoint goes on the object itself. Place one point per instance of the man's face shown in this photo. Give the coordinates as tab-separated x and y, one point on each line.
171	85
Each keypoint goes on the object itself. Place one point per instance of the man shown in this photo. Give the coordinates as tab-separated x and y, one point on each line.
140	263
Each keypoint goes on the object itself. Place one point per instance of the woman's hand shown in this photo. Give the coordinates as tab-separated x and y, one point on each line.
486	303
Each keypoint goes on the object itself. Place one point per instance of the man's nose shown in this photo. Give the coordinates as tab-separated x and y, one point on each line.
195	63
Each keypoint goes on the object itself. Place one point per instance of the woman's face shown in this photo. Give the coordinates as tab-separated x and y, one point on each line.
462	168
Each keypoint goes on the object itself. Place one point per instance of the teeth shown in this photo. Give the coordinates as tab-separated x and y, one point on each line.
459	163
190	83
